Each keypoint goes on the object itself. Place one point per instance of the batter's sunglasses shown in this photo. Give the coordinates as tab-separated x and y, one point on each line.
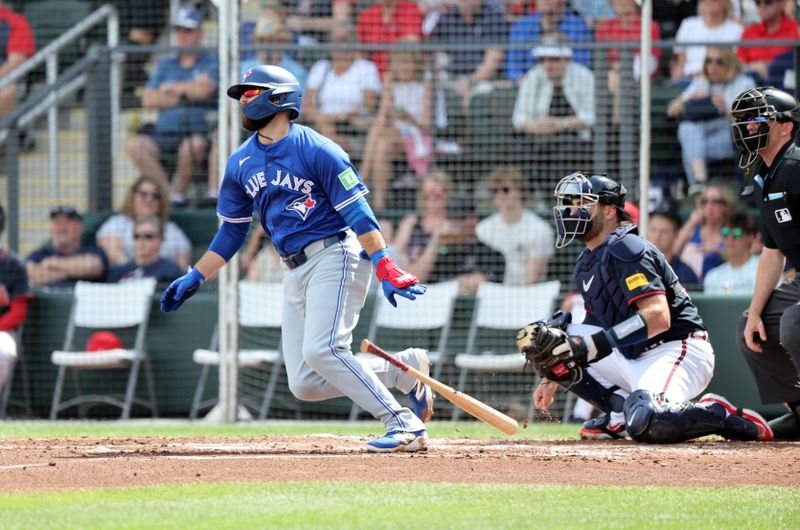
253	92
736	233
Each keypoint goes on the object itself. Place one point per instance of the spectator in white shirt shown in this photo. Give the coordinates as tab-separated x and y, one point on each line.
523	238
737	275
712	24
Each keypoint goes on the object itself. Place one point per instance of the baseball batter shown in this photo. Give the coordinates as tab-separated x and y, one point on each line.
643	351
310	201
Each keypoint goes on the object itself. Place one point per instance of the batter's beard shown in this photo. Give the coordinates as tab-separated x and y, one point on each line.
256	125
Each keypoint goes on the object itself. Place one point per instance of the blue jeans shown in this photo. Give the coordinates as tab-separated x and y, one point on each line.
704	141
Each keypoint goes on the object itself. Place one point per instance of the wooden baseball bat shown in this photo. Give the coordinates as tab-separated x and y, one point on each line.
465	402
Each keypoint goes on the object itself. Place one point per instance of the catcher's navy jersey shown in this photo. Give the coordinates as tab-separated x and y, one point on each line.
626	268
297	185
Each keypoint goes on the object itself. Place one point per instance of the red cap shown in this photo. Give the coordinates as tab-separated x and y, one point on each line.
632	210
103	340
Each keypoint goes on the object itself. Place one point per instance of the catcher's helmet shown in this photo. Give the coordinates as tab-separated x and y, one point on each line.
759	105
574	195
281	92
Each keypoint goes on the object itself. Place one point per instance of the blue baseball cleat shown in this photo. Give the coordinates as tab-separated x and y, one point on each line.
400	441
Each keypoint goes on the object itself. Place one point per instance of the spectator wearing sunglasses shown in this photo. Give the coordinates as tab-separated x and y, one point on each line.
146	197
148	235
738	274
774	25
699	243
525	239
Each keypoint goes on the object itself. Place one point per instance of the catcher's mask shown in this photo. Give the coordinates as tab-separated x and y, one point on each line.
280	90
759	106
575	194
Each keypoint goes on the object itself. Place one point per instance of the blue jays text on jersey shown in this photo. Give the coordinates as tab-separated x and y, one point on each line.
297	185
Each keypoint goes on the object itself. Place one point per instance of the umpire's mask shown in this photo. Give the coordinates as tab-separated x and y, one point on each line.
572	216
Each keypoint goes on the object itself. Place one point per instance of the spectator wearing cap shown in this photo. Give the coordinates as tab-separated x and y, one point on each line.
525	239
662	230
461	256
65	260
551	16
270	30
775	24
738	274
15	295
148	235
555	110
183	89
16	46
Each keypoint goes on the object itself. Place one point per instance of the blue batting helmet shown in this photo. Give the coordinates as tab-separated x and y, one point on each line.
281	91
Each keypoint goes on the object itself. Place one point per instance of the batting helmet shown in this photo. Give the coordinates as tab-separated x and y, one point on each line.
574	195
280	91
759	105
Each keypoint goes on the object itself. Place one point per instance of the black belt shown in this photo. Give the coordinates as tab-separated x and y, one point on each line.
298	258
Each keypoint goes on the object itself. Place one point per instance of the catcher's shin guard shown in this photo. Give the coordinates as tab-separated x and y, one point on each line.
651	418
588	388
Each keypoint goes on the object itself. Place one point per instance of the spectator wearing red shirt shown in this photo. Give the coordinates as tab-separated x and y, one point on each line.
626	27
16	45
385	23
774	25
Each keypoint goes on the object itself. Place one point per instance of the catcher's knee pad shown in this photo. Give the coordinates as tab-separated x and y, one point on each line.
651	418
588	388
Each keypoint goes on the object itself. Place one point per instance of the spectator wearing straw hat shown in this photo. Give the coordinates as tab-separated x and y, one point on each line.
270	29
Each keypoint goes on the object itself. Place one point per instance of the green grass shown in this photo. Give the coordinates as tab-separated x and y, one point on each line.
404	506
436	429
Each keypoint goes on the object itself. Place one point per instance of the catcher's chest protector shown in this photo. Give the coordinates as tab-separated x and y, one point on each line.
602	292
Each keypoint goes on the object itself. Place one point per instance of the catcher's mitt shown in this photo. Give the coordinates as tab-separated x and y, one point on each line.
547	349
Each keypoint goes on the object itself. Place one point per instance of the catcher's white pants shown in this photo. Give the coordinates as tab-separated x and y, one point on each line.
679	369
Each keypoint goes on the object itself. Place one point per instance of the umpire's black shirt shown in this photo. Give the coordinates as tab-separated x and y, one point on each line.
777	191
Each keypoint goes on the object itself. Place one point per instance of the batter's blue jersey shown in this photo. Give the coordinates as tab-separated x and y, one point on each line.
297	185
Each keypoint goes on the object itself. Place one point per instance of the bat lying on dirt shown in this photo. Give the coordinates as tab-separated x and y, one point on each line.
465	402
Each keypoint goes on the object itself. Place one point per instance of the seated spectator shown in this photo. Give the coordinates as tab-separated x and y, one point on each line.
712	24
704	110
15	294
313	20
16	46
774	25
144	23
594	12
662	231
738	274
551	16
417	237
148	235
145	197
525	239
269	29
183	89
342	94
64	261
625	27
461	256
555	111
780	72
699	243
386	22
669	14
473	22
401	127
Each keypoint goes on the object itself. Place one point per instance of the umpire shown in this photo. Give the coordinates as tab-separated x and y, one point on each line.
765	121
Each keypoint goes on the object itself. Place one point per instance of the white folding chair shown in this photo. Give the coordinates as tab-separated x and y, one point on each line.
431	312
260	307
19	366
107	306
503	307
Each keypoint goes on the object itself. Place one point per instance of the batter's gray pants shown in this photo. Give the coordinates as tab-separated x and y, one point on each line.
776	369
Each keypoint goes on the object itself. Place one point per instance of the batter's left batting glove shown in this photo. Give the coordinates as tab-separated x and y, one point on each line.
181	290
395	280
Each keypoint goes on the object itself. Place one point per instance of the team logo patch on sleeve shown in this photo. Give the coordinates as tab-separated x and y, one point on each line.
636	280
348	178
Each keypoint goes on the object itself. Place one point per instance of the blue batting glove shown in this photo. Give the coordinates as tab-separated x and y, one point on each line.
181	290
409	292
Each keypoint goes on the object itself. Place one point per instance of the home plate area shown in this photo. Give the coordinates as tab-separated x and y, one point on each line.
72	463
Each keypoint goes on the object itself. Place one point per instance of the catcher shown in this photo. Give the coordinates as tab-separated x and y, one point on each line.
643	351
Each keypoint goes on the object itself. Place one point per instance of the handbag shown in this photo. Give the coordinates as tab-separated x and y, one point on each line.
700	109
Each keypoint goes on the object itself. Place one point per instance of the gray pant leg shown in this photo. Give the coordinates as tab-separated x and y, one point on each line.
776	368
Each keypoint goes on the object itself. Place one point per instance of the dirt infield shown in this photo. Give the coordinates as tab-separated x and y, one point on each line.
64	464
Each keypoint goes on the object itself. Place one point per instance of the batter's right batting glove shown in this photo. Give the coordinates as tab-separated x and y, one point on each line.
395	280
181	290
